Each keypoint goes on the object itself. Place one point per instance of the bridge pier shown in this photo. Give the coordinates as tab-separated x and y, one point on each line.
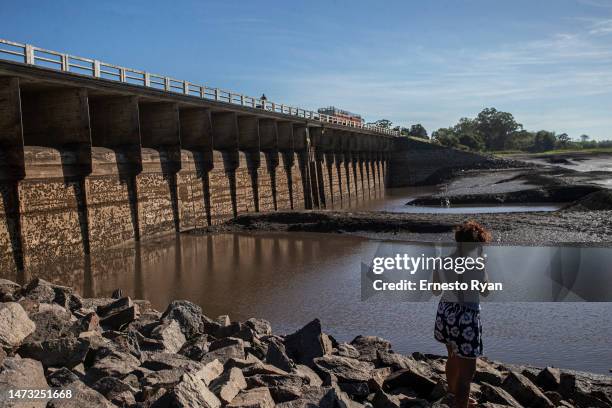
285	146
225	141
248	145
115	128
301	145
268	144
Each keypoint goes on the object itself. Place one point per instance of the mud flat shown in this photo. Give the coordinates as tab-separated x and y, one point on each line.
107	352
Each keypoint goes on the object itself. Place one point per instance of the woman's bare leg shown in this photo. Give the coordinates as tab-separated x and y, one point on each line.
465	372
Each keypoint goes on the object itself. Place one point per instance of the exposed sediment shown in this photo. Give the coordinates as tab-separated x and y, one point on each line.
120	352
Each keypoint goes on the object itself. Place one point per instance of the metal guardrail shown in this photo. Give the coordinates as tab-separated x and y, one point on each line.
28	54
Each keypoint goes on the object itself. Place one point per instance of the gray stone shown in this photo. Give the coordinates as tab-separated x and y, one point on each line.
46	292
61	352
410	378
224	320
116	391
309	374
192	392
228	385
223	354
253	398
308	343
347	350
118	314
166	361
486	372
170	334
378	378
323	397
15	325
260	326
344	369
210	371
18	373
195	348
116	364
498	395
60	377
82	396
188	315
261	368
368	346
8	290
524	391
166	378
277	355
549	379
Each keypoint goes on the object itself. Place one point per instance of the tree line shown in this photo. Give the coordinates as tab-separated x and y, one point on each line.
494	130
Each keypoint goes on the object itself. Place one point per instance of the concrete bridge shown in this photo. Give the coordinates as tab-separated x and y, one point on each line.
93	155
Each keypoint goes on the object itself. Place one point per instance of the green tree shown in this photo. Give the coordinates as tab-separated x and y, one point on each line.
544	140
467	133
496	127
563	140
418	131
383	123
521	140
445	137
584	138
402	130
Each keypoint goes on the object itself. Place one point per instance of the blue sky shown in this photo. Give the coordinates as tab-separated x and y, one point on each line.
547	62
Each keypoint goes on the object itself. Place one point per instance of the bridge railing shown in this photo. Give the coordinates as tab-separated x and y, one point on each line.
28	54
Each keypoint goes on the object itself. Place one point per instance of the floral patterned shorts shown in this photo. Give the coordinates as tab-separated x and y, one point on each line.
459	327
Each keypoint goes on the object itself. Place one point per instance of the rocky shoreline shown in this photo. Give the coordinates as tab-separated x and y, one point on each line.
121	352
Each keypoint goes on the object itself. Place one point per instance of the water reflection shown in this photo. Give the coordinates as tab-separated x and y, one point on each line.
291	278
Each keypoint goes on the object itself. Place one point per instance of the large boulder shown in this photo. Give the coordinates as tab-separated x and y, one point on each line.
21	373
260	326
15	325
497	395
61	352
188	315
170	334
254	398
344	369
82	396
524	391
233	350
42	291
118	314
116	364
277	355
167	361
192	392
8	290
228	385
195	348
116	391
549	379
410	378
369	346
308	343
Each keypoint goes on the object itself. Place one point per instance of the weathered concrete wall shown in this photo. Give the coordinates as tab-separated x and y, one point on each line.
412	162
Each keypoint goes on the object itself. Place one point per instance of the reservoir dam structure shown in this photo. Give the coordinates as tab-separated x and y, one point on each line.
93	155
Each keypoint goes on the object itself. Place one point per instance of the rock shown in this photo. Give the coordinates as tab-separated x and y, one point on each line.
224	320
228	385
580	391
192	392
498	396
309	374
170	334
2	355
549	379
20	373
323	397
166	361
88	323
410	378
308	343
223	354
116	391
383	400
117	314
260	326
253	398
63	352
82	396
554	397
210	371
261	368
116	364
524	391
225	342
378	378
45	292
391	359
486	372
166	378
195	348
15	325
8	290
277	355
347	350
344	369
188	315
276	381
61	377
368	347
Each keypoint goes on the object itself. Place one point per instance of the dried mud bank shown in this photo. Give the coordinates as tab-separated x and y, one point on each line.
120	352
587	228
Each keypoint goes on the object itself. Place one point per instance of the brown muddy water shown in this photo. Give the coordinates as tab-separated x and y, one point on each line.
292	278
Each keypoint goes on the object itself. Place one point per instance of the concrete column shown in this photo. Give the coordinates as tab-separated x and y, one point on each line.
338	158
12	168
115	125
285	146
317	137
225	140
248	143
301	145
268	143
160	130
197	137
